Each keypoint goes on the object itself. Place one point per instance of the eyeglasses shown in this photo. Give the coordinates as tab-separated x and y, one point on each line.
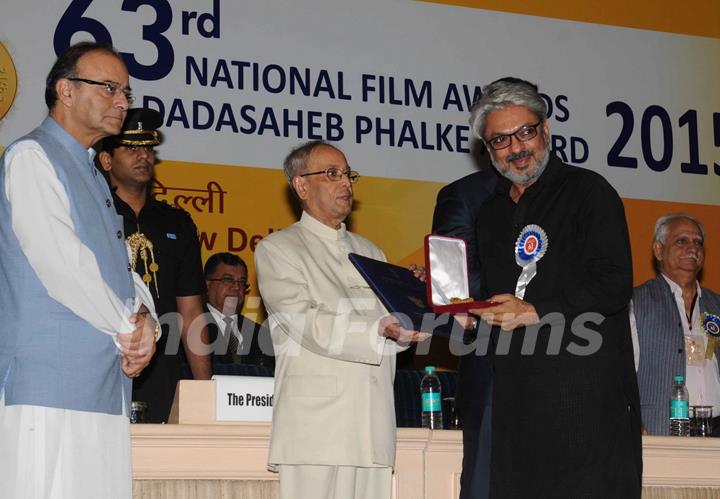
523	134
229	281
335	174
112	89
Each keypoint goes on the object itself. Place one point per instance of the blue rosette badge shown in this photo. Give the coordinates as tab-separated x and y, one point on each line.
531	246
711	326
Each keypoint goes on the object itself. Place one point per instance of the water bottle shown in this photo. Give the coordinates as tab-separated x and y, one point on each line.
431	400
679	409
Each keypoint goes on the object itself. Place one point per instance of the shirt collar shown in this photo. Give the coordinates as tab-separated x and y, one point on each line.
150	201
677	290
218	316
121	206
317	227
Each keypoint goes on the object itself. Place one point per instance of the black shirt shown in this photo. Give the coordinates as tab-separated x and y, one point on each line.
176	252
587	266
176	249
563	422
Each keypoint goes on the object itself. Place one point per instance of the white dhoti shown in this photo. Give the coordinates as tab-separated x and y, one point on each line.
334	482
48	453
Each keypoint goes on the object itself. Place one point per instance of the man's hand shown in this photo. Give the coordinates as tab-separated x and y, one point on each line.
138	347
390	327
468	322
509	312
418	272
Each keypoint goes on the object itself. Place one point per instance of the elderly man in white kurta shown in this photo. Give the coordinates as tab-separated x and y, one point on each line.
333	434
69	337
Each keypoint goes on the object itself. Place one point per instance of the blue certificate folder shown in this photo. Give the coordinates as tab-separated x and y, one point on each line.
404	295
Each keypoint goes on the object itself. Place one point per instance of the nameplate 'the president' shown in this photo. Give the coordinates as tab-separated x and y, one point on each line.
243	398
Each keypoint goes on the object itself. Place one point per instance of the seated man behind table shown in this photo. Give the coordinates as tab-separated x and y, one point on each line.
667	317
235	338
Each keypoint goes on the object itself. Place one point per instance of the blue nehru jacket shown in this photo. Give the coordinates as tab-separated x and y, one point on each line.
48	355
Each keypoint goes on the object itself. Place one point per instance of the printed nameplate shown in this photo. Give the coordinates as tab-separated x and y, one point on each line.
243	398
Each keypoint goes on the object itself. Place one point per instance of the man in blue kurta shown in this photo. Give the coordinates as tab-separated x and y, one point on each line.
72	328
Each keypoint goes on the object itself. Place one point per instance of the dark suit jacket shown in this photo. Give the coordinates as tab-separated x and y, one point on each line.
456	214
256	347
456	210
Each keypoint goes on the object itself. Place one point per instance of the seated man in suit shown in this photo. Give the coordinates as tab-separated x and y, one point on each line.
670	318
234	337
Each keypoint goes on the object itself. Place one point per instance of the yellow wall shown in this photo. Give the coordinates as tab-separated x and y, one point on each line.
394	213
690	17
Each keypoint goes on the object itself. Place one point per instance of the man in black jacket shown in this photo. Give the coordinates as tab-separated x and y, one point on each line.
234	337
456	210
554	254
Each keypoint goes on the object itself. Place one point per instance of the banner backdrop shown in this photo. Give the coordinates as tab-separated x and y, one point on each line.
240	83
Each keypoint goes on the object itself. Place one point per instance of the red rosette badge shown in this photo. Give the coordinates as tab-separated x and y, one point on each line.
531	246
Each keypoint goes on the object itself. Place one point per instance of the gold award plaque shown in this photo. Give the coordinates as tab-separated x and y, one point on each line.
8	81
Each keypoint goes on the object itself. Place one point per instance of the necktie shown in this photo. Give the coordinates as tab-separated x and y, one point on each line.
233	343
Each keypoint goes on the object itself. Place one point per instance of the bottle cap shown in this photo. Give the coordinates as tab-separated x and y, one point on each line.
679	378
429	369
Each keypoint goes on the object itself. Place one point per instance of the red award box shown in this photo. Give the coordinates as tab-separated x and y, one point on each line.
446	267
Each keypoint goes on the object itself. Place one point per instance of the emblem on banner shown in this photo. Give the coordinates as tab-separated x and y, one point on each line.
8	81
530	247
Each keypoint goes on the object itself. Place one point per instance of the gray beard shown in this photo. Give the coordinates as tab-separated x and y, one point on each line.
527	177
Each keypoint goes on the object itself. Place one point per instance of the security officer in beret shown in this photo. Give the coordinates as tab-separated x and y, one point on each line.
165	251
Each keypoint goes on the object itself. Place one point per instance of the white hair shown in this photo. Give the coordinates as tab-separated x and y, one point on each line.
662	226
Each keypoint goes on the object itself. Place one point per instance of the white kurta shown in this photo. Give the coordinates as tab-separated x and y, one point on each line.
334	404
49	452
333	372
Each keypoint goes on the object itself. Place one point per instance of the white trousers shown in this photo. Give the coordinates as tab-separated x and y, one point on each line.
334	482
48	453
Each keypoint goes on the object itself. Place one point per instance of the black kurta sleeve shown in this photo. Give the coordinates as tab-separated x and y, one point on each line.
602	280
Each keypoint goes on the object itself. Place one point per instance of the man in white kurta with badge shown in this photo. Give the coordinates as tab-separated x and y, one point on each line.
333	432
73	331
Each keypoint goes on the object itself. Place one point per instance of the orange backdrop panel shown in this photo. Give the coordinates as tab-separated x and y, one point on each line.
393	213
690	17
